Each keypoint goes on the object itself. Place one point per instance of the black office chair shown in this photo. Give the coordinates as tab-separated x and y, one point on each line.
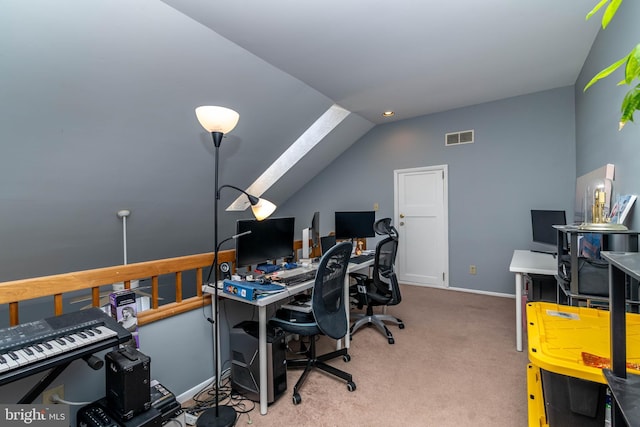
328	317
382	288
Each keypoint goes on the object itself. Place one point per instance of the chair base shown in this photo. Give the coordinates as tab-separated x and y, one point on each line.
318	362
376	320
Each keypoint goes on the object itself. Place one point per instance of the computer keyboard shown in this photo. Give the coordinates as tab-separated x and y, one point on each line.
298	278
359	259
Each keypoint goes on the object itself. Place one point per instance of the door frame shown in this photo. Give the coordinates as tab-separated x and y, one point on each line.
445	212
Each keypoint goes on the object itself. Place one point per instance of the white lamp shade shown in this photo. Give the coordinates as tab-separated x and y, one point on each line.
263	209
217	119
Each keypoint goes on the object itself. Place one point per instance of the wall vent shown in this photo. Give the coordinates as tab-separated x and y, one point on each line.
457	138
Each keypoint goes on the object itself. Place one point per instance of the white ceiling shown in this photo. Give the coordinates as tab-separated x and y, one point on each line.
414	57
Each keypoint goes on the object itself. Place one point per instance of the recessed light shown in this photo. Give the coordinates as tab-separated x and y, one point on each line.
388	114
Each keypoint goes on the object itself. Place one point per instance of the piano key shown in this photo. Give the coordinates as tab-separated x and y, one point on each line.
37	352
18	357
71	342
106	332
26	356
78	339
56	348
7	363
47	349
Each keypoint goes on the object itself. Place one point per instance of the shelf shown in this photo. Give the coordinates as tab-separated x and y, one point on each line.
626	393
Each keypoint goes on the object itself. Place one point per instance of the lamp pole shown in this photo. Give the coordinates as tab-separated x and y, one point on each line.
223	416
218	121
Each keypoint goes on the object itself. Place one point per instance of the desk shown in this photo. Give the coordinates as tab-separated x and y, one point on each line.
262	304
527	262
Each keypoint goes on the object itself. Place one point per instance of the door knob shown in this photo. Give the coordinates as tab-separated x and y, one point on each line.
401	222
401	215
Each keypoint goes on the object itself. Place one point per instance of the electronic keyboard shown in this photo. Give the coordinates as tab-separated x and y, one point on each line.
33	347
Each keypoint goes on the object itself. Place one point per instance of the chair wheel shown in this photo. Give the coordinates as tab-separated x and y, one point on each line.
391	341
401	325
346	358
296	399
351	386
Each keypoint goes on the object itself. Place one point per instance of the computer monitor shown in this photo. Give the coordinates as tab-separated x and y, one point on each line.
354	224
270	239
542	222
315	229
326	243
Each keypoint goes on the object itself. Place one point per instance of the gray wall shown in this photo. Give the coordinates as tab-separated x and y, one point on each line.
598	140
97	114
523	159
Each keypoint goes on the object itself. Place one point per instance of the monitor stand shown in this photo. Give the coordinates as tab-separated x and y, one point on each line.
305	242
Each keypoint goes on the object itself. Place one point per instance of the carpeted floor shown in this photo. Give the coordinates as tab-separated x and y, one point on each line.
454	364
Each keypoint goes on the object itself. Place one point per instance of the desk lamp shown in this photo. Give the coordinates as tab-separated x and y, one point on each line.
219	121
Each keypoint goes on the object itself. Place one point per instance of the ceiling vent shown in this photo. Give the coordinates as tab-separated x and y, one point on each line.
457	138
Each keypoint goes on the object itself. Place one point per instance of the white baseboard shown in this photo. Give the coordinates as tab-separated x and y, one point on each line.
475	291
453	288
188	395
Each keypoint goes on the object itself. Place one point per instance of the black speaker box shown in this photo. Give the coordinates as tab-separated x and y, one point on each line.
128	382
245	365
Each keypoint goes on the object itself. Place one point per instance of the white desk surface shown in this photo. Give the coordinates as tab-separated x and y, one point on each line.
525	261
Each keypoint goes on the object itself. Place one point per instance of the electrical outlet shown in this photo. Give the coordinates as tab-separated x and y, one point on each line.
46	395
472	269
376	206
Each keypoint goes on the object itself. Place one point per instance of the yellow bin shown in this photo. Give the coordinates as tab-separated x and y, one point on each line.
568	347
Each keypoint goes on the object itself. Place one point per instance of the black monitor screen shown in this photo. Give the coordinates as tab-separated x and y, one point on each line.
326	243
270	239
542	222
315	229
353	225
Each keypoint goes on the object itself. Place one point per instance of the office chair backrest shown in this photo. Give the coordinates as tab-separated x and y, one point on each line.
327	300
383	226
384	275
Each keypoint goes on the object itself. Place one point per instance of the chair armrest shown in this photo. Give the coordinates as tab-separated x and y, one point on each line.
360	277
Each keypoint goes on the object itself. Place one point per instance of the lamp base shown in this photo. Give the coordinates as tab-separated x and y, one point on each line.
226	417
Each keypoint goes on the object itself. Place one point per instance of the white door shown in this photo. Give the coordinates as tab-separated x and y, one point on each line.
421	219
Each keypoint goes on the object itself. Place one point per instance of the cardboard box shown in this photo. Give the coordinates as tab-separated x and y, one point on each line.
123	309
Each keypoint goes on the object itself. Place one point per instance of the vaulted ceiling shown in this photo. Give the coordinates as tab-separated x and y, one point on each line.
411	57
114	85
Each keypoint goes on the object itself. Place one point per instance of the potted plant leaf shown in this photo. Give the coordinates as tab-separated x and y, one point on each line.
631	101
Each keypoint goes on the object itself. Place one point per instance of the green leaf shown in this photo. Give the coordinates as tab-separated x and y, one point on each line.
610	12
630	104
604	73
632	70
597	8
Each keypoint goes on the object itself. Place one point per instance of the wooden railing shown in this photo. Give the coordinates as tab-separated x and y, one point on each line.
55	286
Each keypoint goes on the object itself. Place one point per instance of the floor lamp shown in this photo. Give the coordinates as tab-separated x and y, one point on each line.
219	121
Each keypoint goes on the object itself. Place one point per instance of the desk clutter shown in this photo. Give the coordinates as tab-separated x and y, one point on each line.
250	290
